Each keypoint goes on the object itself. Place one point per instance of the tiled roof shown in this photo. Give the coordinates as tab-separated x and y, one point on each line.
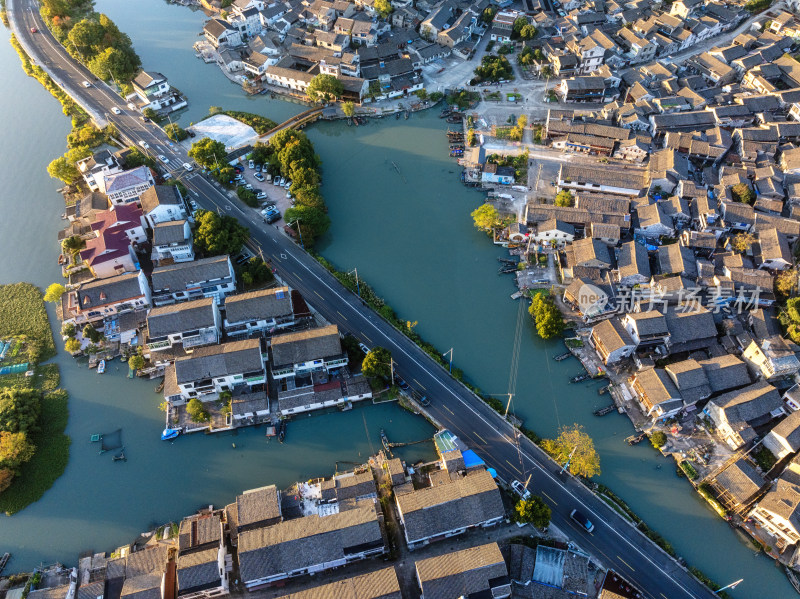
178	277
380	584
160	195
177	318
109	290
198	570
126	179
236	357
741	480
258	505
462	573
633	260
258	305
197	531
300	347
169	232
612	334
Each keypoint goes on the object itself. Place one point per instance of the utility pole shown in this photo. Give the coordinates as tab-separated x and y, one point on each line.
358	286
566	464
297	221
451	359
732	585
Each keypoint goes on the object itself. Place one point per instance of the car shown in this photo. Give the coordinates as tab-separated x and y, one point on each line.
364	348
167	176
131	106
582	520
251	164
244	256
238	169
191	133
274	217
520	490
278	181
259	177
401	383
269	211
144	119
258	168
561	13
163	158
287	184
261	195
268	206
424	401
188	167
144	144
239	177
289	194
116	110
249	187
34	30
194	205
86	84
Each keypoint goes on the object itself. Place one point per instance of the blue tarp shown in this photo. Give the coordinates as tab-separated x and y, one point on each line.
471	459
492	471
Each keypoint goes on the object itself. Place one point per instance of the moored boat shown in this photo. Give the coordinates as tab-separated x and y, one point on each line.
101	367
170	433
282	431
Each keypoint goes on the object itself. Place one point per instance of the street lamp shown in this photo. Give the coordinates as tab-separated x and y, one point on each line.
299	230
358	286
451	359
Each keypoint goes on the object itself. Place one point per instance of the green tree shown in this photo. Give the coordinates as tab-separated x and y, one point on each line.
472	139
349	109
741	192
255	272
565	199
658	439
135	158
63	170
6	476
72	345
136	362
72	244
312	221
377	363
118	64
742	242
208	152
324	88
786	283
487	16
91	333
19	409
584	461
303	176
68	330
528	32
150	114
54	292
486	217
519	24
384	8
15	450
175	132
216	235
534	511
197	411
548	319
85	135
308	196
87	36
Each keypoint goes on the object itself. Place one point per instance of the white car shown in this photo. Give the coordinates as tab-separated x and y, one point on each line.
163	158
116	110
259	177
261	195
251	164
287	184
278	181
188	167
87	84
520	490
131	106
364	348
144	144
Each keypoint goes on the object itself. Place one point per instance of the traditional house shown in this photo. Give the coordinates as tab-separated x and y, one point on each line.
201	567
297	356
492	173
172	242
633	265
611	341
162	203
476	571
772	358
378	584
186	325
118	233
101	298
778	512
220	33
647	329
258	312
773	251
591	253
659	396
735	414
126	187
209	277
553	232
784	438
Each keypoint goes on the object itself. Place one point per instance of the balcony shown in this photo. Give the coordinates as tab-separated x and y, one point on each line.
158	345
204	338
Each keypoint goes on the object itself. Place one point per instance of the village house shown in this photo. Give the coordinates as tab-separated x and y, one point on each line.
784	439
473	571
172	242
773	251
186	325
648	329
139	574
633	265
611	341
602	180
101	298
736	413
162	203
554	233
738	485
378	584
126	186
591	253
772	359
451	507
209	277
152	90
236	366
658	394
202	572
778	512
258	312
92	168
492	173
117	233
220	33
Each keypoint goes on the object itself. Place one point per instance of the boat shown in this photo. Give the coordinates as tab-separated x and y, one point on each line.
4	561
604	389
101	367
120	457
794	580
160	386
397	116
282	431
605	410
385	442
170	433
634	439
271	432
62	259
407	114
563	356
580	377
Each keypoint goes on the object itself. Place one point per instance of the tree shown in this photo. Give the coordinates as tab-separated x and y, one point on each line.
6	476
528	32
534	511
19	409
472	138
786	282
522	121
136	362
741	192
519	24
135	158
208	152
565	199
324	88
349	109
216	235
72	345
585	461
742	242
486	217
150	114
175	132
487	16
255	272
197	411
68	330
63	170
658	439
15	450
376	363
73	243
426	32
546	316
54	292
312	221
384	8
91	333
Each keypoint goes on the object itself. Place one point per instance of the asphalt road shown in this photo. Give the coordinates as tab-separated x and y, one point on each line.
614	541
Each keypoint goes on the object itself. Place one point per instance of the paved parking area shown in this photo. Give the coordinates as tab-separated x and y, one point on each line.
275	194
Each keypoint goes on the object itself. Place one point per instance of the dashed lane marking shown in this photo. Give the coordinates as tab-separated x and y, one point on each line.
449	410
342	315
626	563
320	297
481	438
513	466
550	498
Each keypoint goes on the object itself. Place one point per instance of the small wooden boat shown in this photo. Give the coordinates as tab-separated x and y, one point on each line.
397	116
120	457
605	410
407	114
384	440
170	433
160	386
634	439
604	389
563	356
101	367
4	561
579	378
62	259
282	431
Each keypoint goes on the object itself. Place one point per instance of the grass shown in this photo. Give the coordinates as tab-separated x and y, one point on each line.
50	459
22	313
689	470
260	123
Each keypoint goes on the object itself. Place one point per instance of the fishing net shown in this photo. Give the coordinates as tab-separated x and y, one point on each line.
111	441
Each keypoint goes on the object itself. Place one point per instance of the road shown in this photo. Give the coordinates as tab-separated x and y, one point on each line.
614	541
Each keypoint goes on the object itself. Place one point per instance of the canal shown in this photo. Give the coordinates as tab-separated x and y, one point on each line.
410	235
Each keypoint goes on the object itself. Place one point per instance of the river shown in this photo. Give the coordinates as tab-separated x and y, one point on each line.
410	235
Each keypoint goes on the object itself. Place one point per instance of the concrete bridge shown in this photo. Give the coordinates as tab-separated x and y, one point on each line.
296	122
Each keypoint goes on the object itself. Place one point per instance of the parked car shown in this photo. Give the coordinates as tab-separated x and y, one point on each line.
163	158
34	30
144	144
261	195
258	168
131	106
519	489
274	217
268	206
424	401
243	256
188	167
401	383
251	164
116	110
582	520
239	177
87	84
278	181
287	184
364	348
191	133
259	177
238	169
194	205
249	187
289	194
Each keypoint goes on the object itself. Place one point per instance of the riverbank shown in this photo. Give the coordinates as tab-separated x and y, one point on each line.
31	404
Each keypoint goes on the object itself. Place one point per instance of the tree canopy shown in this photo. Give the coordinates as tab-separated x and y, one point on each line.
313	222
63	170
208	152
54	292
534	511
384	8
585	461
546	316
324	88
15	450
494	68
742	242
106	51
741	192
377	363
175	132
216	235
565	199
19	409
348	108
197	411
486	217
136	362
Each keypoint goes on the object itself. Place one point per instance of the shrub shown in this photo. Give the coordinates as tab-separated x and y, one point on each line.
197	411
658	439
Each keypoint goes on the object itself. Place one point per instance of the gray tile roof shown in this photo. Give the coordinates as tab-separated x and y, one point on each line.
313	344
784	499
381	584
160	195
657	386
308	541
258	505
788	429
59	592
461	573
197	531
149	560
690	379
258	305
220	360
741	480
178	277
146	586
633	260
674	259
612	334
467	501
93	590
109	291
751	404
589	250
169	232
651	322
690	325
126	179
177	318
197	570
725	373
